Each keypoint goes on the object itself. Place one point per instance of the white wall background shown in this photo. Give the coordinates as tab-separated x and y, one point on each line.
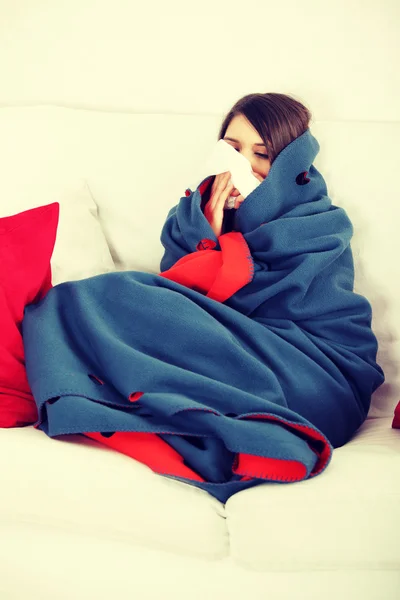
340	57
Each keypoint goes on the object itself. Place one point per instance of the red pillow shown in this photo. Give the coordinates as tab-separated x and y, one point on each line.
26	245
396	418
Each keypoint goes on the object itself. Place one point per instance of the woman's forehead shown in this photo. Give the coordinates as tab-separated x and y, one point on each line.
239	129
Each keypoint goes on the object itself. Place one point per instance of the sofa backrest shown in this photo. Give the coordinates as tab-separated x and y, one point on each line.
139	165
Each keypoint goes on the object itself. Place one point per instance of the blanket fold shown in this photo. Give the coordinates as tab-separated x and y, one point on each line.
217	274
246	360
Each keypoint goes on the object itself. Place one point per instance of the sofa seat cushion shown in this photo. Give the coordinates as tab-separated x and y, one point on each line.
347	517
75	482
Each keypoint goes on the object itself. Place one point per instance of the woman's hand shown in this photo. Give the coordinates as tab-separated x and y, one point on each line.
214	209
220	191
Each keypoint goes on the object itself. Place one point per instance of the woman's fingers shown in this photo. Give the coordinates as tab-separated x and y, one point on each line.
238	201
225	192
221	180
220	184
214	209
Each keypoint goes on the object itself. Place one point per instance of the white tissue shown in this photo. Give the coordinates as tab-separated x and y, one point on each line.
225	158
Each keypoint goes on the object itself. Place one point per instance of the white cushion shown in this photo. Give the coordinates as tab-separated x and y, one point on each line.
347	517
76	483
48	563
81	249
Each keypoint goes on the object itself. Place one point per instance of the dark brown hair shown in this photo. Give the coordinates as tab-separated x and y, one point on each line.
277	118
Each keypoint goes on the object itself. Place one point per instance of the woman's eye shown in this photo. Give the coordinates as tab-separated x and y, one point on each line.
257	153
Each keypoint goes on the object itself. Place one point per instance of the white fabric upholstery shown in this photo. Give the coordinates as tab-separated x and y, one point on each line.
63	500
344	518
76	483
44	563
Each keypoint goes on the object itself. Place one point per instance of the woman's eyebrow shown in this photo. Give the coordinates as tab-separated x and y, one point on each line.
233	140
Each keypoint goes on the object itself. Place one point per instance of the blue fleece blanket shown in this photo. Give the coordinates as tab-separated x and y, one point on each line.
247	360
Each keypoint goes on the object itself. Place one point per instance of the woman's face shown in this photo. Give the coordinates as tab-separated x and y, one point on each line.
245	139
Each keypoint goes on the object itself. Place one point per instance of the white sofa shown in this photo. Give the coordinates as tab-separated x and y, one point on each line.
78	520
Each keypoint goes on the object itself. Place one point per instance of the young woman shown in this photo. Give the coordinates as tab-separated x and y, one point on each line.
249	357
